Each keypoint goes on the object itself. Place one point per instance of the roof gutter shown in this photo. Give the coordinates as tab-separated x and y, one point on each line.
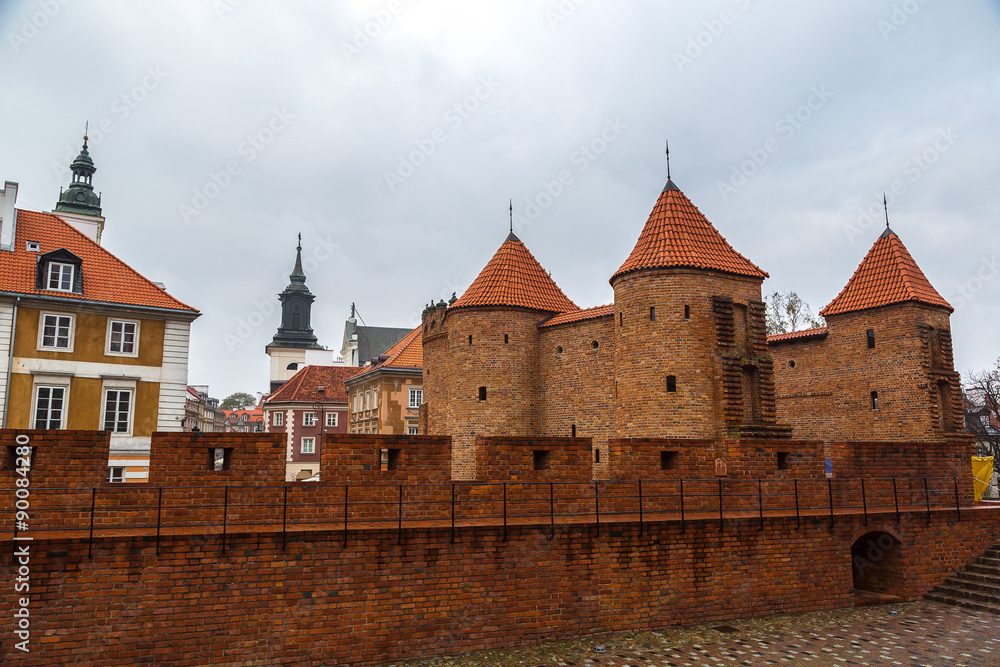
10	362
179	312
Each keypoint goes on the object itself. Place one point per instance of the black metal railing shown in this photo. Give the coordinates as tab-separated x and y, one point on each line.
155	510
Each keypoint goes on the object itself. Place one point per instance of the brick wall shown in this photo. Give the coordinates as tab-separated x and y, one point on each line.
186	459
576	364
705	353
455	370
372	600
519	459
824	385
60	459
358	459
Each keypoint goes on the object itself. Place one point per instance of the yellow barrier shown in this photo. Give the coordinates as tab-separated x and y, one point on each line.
982	473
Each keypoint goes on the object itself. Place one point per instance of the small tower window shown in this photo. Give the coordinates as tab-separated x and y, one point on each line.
559	349
652	313
470	340
594	345
871	339
572	431
687	312
621	319
597	456
506	339
874	400
482	393
671	383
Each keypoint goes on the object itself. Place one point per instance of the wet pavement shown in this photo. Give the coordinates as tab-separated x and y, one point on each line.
916	633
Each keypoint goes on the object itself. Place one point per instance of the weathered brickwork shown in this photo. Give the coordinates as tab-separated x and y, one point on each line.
69	459
389	459
825	384
178	459
533	459
373	600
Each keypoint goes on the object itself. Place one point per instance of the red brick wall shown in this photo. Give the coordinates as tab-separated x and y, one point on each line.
577	383
184	459
373	600
704	353
827	394
454	370
357	459
61	458
512	459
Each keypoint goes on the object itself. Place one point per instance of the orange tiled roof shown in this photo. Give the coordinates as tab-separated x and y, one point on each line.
886	275
304	386
515	278
407	353
678	234
581	315
818	332
106	278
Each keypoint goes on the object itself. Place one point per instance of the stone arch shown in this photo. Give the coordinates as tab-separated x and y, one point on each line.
878	565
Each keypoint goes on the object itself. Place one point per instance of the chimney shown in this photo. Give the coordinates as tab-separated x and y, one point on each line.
8	215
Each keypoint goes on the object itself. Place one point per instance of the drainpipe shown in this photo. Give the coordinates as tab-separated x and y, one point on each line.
10	362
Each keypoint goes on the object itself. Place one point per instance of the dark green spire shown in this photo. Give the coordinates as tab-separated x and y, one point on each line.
295	330
80	197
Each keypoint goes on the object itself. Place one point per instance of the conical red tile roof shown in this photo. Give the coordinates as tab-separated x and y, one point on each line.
887	275
515	278
678	234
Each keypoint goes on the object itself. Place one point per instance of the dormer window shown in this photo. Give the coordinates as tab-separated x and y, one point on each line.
33	246
60	277
59	271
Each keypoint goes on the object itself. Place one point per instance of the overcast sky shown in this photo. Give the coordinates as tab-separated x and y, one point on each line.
392	133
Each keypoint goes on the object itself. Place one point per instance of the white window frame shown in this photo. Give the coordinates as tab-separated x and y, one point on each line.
312	445
374	398
52	382
135	342
278	418
112	477
60	269
412	392
412	430
331	419
368	400
120	384
41	331
308	418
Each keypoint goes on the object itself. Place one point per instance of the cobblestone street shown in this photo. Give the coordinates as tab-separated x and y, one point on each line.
917	633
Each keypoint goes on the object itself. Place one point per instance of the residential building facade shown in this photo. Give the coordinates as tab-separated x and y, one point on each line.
385	397
86	342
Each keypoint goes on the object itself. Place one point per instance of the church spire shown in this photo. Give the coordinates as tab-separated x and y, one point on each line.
295	331
80	197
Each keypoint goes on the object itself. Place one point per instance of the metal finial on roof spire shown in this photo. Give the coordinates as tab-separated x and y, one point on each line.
299	247
668	159
670	184
511	216
885	205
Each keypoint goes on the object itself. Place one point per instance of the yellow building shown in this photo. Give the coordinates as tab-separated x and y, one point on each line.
385	396
86	342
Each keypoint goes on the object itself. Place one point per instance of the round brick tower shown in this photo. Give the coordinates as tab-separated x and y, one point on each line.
481	353
690	344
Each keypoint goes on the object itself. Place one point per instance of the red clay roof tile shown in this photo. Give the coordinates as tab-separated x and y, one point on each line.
678	234
106	278
515	278
407	353
581	315
818	332
886	275
304	386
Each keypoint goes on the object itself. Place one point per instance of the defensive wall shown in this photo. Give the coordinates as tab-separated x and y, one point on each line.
238	567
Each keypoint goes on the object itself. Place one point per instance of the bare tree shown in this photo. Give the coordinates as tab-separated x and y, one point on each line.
788	312
982	409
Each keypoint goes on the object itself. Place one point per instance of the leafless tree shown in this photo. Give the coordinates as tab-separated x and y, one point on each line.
982	409
788	312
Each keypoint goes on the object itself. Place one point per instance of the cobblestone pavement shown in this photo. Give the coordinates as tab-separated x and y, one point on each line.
917	633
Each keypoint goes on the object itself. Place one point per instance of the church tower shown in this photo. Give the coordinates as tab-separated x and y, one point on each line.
79	205
295	334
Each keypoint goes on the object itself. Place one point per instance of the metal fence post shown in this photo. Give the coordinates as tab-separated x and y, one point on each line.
452	512
864	501
284	520
683	523
90	540
895	498
958	510
159	511
829	486
346	487
505	511
597	507
399	516
760	502
225	516
798	517
640	508
927	500
552	510
722	525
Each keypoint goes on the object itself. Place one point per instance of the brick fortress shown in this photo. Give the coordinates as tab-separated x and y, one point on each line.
682	357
